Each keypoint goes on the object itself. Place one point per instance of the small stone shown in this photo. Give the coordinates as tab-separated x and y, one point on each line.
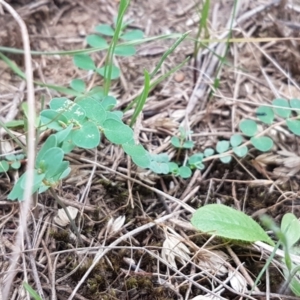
179	77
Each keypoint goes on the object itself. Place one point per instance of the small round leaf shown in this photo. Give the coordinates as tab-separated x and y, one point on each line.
87	136
248	127
115	72
83	61
133	35
262	143
125	50
293	126
222	146
209	152
240	151
184	172
282	108
78	85
265	114
175	142
226	159
236	140
96	41
4	166
105	29
117	132
138	154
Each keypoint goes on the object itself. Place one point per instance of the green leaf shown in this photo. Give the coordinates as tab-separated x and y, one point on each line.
176	142
295	104
15	165
262	143
132	35
51	142
236	140
125	50
14	123
226	159
31	291
209	152
93	110
240	151
265	114
173	168
290	226
53	120
138	154
223	221
159	168
109	102
63	134
4	166
248	127
283	107
195	161
96	41
222	146
51	161
87	136
105	29
188	145
293	126
78	85
184	172
115	73
69	109
117	132
161	157
83	61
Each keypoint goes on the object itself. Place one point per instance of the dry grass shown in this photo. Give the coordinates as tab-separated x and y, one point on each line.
129	218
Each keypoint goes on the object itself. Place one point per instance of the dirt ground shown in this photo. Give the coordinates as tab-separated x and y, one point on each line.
132	265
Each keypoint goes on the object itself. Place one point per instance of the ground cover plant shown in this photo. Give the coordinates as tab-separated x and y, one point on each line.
84	118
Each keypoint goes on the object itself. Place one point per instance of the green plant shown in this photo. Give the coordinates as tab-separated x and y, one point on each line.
225	222
33	294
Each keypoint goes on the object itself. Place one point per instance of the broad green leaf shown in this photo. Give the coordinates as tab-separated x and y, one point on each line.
265	114
96	41
132	35
62	172
67	146
11	157
71	110
248	127
93	110
160	158
159	168
109	102
115	115
222	146
176	142
125	50
105	29
188	145
209	152
4	166
138	154
51	142
240	151
63	134
87	136
282	108
53	120
184	172
84	62
262	143
114	74
15	165
226	159
195	161
223	221
290	226
173	168
295	104
117	132
236	140
50	162
78	85
293	126
14	123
